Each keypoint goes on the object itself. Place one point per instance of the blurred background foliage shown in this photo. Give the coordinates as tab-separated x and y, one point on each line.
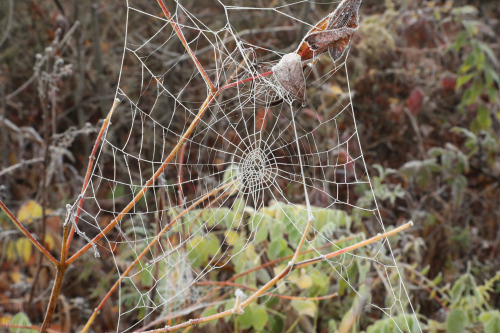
425	82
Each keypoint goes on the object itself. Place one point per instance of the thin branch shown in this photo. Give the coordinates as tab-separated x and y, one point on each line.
267	264
238	285
186	45
26	233
58	281
279	277
148	247
180	181
98	140
353	247
149	183
21	164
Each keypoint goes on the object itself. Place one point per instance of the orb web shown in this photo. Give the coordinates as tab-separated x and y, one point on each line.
257	166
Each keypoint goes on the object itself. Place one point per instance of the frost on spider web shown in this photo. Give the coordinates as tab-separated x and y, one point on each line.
276	162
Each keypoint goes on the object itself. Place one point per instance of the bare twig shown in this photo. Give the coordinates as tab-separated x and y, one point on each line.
28	235
90	166
149	246
186	45
280	276
21	164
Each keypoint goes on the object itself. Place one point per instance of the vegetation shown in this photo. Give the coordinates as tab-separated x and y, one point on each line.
426	92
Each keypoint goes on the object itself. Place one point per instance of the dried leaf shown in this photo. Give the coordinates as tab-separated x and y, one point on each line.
288	72
335	36
29	212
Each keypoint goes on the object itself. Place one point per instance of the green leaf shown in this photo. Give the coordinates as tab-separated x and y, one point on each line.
465	10
262	233
276	247
238	206
492	326
306	308
491	321
437	279
276	324
456	321
230	174
489	52
245	320
483	118
259	317
20	319
147	277
209	312
458	187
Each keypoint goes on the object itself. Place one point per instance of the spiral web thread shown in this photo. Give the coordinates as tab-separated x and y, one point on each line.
292	161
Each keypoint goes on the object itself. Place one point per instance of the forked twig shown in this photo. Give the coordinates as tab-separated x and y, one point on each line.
279	277
28	235
149	246
68	232
149	183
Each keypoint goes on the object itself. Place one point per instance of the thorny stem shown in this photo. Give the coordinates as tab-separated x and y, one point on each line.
148	247
280	276
28	235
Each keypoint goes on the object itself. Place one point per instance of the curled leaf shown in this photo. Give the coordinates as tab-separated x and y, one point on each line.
333	33
288	72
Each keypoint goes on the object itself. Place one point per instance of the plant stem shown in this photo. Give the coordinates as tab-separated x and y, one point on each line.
56	289
238	285
186	45
148	247
89	170
280	276
28	235
150	182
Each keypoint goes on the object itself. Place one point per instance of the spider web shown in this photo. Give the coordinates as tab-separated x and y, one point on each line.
256	158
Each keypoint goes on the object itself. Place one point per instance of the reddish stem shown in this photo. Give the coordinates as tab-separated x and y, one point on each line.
89	171
186	45
237	285
246	80
181	164
28	235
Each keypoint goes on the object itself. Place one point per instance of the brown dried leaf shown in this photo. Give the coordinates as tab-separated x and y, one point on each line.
335	37
288	72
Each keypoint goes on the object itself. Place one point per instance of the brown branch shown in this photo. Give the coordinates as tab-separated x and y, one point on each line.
180	180
267	264
238	285
149	183
28	235
148	247
186	46
56	289
280	276
89	170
